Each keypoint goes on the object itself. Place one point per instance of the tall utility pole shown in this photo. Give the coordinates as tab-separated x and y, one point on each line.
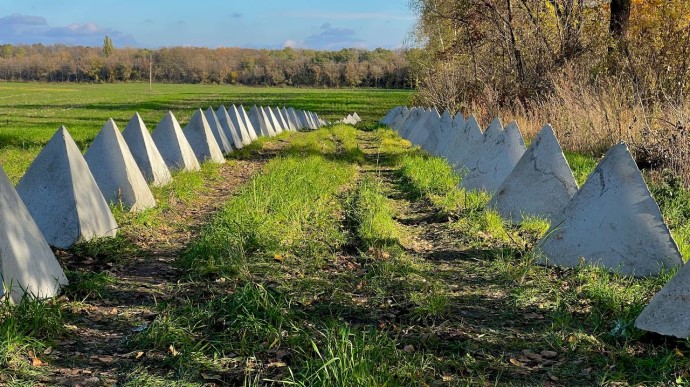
151	72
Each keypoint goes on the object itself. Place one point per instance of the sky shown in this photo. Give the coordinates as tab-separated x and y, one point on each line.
321	25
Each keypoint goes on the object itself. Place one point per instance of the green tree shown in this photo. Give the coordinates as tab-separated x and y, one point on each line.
107	46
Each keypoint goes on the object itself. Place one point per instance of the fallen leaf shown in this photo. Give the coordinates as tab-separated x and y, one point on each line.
447	378
173	351
409	348
279	258
139	355
516	363
36	362
277	364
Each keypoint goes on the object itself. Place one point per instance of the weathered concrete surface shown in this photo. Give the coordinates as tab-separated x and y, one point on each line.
258	120
399	120
388	118
288	118
411	122
254	132
540	185
27	265
667	312
302	115
62	196
229	128
266	118
357	117
173	145
495	161
145	152
295	119
116	172
466	142
279	116
218	133
421	131
440	134
201	139
237	118
273	120
494	129
612	221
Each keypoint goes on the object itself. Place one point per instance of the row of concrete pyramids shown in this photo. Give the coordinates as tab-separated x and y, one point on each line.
63	196
612	220
351	119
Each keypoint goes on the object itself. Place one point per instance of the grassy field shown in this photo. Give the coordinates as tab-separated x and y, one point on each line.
338	257
31	112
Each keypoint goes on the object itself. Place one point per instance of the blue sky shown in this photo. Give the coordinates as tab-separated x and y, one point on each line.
210	23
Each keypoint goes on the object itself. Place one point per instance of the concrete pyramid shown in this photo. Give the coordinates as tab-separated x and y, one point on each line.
494	129
62	196
410	122
116	172
26	262
543	174
256	117
440	133
279	116
295	120
612	221
267	120
421	131
667	312
222	140
356	117
201	139
254	132
275	124
229	128
173	145
288	119
316	119
304	119
238	122
398	120
495	160
145	152
465	142
386	120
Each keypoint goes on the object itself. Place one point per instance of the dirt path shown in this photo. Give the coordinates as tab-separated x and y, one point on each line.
95	352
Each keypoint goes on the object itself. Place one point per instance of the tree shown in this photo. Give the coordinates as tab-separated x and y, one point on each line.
620	15
107	46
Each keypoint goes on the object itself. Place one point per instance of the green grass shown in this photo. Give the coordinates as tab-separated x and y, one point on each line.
32	112
372	215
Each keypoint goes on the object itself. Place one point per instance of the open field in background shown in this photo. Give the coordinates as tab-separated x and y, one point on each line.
31	112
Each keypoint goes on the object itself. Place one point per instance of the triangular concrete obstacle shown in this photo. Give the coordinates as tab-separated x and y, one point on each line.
495	160
494	129
356	117
145	152
62	196
667	312
612	221
246	135
465	140
288	119
275	124
256	117
279	116
222	140
540	185
173	145
201	139
27	265
229	128
116	172
440	133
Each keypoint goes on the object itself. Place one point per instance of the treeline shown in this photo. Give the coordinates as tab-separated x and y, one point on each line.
287	67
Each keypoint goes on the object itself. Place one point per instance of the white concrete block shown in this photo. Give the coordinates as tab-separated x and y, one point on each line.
612	221
229	128
116	172
201	139
246	135
222	140
62	196
173	145
145	152
27	264
495	161
540	185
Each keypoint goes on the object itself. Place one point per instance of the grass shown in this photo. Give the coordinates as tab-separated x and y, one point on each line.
351	259
31	113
